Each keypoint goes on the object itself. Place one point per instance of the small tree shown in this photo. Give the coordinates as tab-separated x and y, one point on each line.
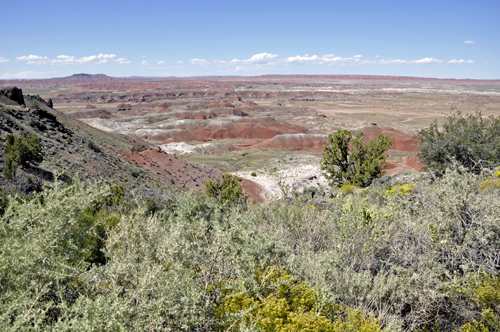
226	191
355	163
470	140
23	150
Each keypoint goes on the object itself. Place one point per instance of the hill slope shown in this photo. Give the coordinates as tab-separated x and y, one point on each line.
71	147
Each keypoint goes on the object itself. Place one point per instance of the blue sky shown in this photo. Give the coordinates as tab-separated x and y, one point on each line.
443	39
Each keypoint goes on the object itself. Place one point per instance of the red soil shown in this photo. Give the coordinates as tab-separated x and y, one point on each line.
400	141
246	128
294	142
412	162
175	171
390	166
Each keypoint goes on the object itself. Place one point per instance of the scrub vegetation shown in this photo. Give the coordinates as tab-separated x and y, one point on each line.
93	257
469	139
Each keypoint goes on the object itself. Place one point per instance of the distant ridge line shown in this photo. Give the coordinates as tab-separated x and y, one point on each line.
93	78
377	77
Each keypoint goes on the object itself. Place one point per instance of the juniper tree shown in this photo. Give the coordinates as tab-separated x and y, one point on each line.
21	151
348	160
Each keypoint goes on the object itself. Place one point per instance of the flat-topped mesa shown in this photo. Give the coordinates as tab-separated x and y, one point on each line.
12	94
87	76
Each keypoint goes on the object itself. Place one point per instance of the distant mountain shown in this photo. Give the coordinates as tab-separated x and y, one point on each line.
87	76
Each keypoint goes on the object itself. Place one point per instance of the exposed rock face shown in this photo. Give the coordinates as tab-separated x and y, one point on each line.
13	93
31	99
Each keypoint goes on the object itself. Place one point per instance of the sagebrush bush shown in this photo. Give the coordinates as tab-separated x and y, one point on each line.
85	257
469	139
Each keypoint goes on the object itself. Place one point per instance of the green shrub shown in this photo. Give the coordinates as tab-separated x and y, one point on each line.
253	174
4	202
350	161
23	150
471	140
226	191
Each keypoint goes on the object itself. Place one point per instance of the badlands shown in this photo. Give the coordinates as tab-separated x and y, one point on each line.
267	129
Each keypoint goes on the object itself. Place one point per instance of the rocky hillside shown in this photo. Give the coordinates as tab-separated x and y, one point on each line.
71	147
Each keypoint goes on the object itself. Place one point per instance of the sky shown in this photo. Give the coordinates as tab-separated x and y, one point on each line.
439	38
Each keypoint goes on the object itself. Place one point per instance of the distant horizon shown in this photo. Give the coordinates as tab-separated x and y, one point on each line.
243	76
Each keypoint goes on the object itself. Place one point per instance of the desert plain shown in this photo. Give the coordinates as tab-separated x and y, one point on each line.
267	129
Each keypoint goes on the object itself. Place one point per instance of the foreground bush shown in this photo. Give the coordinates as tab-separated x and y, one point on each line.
81	258
471	140
275	301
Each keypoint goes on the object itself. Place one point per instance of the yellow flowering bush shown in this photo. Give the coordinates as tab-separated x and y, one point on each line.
493	181
485	292
347	189
282	304
404	189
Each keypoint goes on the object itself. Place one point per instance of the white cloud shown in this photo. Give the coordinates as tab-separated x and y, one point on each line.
161	62
30	57
3	60
302	59
261	58
257	59
26	74
180	62
199	62
423	61
67	59
469	42
426	61
123	61
144	63
460	61
264	60
329	59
